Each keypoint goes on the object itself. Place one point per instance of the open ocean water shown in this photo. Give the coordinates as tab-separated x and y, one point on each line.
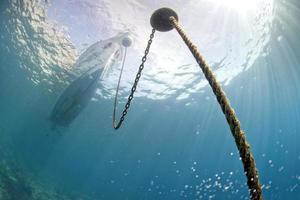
175	142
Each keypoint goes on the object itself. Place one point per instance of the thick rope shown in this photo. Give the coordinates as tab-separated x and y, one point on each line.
237	132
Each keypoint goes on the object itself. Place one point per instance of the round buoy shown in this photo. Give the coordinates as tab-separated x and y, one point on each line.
126	41
160	19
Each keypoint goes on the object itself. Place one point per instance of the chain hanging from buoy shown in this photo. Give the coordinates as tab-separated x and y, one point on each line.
166	19
117	125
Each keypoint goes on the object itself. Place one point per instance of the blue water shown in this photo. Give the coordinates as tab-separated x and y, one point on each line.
167	148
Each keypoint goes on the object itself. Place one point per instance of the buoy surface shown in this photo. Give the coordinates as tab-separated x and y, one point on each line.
160	19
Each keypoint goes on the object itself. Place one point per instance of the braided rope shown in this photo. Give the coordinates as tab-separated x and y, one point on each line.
237	132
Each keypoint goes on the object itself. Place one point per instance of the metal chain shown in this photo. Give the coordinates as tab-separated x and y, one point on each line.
133	89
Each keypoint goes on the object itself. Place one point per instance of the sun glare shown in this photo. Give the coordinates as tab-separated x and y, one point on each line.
238	5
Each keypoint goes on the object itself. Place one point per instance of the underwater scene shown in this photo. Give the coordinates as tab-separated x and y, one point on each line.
115	100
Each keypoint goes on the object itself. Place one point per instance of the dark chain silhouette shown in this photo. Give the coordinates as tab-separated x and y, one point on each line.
133	89
235	127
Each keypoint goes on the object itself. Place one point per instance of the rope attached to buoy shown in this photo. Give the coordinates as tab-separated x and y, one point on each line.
166	19
115	124
235	127
118	124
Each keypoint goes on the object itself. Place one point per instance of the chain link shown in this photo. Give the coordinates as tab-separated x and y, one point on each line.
133	89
